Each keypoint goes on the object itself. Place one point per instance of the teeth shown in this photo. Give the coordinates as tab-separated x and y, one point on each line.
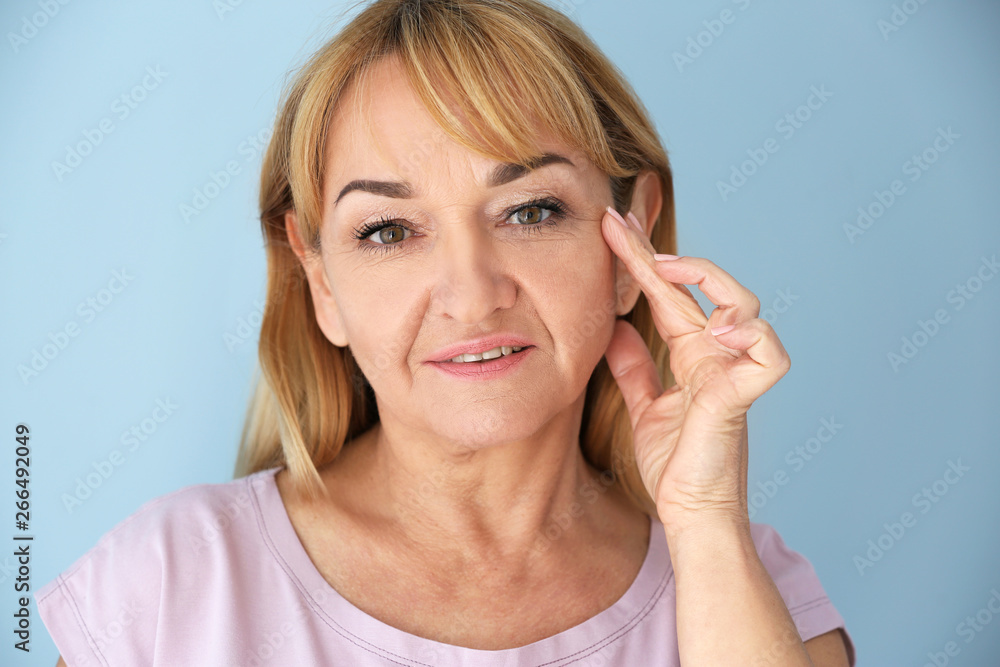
488	354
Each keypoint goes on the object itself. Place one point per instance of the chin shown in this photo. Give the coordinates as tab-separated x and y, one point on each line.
485	430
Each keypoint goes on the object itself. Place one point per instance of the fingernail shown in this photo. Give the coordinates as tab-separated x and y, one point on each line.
721	330
635	221
661	258
617	216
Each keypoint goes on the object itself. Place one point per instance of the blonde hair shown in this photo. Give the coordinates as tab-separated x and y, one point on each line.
311	397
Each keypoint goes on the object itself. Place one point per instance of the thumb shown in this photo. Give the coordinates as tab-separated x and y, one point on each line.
633	369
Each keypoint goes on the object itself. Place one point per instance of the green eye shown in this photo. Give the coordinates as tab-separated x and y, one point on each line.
532	217
389	234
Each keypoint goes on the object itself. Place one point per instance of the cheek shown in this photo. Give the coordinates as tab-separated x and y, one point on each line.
573	290
581	266
378	313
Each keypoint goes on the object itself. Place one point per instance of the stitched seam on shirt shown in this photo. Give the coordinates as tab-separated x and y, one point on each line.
75	567
336	627
629	625
145	508
801	612
806	606
80	621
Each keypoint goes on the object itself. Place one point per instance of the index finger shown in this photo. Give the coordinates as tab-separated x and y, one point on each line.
722	289
674	308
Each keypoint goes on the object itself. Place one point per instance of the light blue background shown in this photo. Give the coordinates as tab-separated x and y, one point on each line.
163	336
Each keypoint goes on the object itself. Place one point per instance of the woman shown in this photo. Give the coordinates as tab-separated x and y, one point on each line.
461	451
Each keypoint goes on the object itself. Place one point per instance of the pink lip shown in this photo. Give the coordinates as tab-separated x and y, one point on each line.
478	346
492	369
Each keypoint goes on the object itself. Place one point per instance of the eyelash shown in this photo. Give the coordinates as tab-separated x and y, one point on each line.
557	208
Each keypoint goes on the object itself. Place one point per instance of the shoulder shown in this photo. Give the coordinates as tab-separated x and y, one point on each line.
795	577
177	542
192	515
165	528
199	511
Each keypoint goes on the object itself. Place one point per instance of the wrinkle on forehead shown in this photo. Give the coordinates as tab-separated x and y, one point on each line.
387	80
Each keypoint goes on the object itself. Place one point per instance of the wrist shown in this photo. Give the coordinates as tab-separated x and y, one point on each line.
714	524
713	550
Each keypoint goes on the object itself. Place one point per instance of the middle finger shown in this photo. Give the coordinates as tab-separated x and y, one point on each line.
663	281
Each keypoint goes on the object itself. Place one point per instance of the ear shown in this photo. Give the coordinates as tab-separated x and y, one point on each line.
647	200
327	313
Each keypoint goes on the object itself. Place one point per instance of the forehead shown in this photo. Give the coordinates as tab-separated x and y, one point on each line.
383	127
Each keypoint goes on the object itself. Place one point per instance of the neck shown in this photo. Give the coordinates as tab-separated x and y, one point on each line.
505	499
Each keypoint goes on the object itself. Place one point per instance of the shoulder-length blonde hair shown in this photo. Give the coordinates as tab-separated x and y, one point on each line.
311	397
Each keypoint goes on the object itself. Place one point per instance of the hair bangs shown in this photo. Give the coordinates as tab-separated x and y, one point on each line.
495	82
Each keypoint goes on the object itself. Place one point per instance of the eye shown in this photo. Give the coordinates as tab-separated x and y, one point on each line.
531	216
375	230
536	215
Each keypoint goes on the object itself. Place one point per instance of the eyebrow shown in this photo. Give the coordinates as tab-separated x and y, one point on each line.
501	175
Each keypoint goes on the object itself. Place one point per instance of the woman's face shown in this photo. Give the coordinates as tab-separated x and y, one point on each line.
458	262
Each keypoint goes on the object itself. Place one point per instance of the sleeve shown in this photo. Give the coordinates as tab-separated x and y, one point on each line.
799	586
102	610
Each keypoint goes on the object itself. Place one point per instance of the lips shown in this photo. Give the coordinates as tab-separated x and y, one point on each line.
503	352
478	346
488	370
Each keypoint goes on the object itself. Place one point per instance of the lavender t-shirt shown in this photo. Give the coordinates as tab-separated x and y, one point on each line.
214	574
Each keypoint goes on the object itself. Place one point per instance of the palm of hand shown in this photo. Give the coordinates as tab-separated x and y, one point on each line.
690	440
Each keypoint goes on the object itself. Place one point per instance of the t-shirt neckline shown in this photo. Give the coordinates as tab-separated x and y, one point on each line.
591	636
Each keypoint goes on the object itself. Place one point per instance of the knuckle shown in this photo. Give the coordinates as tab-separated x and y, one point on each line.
785	364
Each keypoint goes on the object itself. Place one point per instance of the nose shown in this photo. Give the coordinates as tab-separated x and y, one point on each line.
473	277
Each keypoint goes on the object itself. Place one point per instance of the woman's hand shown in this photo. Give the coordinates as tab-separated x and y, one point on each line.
691	440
